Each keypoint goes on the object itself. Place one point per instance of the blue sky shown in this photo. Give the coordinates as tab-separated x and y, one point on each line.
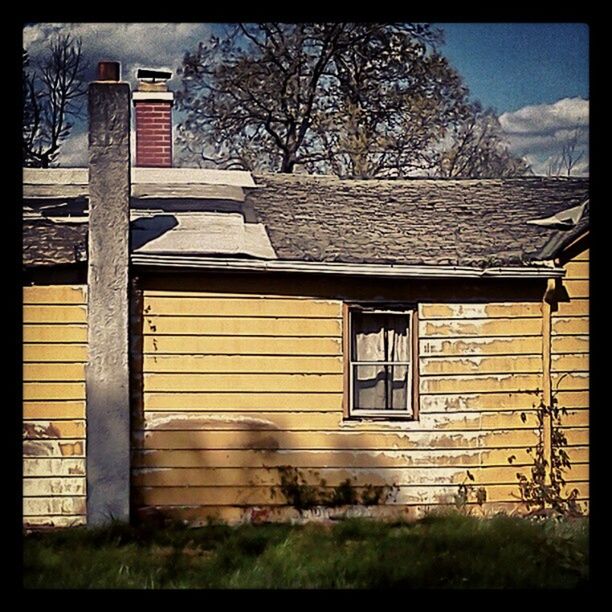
512	65
534	74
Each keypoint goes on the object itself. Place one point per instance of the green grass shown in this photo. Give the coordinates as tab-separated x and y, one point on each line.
451	551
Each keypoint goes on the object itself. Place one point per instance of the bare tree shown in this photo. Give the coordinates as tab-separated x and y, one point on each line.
475	148
52	94
565	162
354	99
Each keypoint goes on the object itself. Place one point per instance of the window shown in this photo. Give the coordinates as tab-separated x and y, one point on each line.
380	347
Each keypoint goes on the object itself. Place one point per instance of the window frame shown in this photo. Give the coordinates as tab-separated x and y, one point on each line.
411	310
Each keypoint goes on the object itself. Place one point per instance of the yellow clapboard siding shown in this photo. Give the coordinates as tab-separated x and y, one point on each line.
65	372
53	391
565	381
245	476
40	430
61	409
242	307
570	326
575	308
55	294
576	288
241	326
236	440
242	401
203	345
54	521
459	328
481	346
53	448
497	401
56	487
480	365
242	363
577	270
179	496
243	382
40	506
50	353
569	344
53	467
55	333
491	310
54	314
480	384
570	363
583	256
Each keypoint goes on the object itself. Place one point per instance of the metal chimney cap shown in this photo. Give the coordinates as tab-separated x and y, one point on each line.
155	75
109	71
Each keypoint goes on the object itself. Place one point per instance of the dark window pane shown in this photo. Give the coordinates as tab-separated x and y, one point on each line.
380	337
380	387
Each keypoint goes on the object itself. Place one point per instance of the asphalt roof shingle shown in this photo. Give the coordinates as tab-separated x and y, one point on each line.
417	221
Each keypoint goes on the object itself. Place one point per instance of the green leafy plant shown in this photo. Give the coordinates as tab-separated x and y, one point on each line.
542	491
467	493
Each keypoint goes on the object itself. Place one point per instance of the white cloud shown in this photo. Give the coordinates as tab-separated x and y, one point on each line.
539	132
150	45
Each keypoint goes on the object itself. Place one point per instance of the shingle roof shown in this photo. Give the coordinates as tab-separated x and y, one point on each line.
417	221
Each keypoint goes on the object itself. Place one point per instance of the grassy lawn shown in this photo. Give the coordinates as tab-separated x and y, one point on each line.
437	552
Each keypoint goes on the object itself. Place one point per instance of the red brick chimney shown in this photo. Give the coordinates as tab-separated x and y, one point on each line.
153	105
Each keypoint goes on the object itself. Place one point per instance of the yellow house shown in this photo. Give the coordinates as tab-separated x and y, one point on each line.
305	346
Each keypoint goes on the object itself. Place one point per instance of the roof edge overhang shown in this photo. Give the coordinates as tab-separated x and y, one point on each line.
546	270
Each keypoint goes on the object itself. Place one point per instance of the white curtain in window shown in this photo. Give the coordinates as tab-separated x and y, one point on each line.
380	337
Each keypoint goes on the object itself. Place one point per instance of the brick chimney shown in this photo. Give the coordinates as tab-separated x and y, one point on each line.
153	105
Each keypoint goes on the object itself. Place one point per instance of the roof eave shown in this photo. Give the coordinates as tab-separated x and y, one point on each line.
546	270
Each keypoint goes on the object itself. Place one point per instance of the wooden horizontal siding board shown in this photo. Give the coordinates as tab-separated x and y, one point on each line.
257	402
570	326
365	458
578	362
480	383
241	307
582	256
53	467
480	365
245	383
55	294
54	314
494	401
577	270
244	477
480	346
315	421
40	506
54	391
333	440
569	344
65	372
226	364
49	430
241	326
576	288
485	310
52	353
56	487
55	334
55	409
53	448
576	307
460	328
219	345
418	494
564	381
54	521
